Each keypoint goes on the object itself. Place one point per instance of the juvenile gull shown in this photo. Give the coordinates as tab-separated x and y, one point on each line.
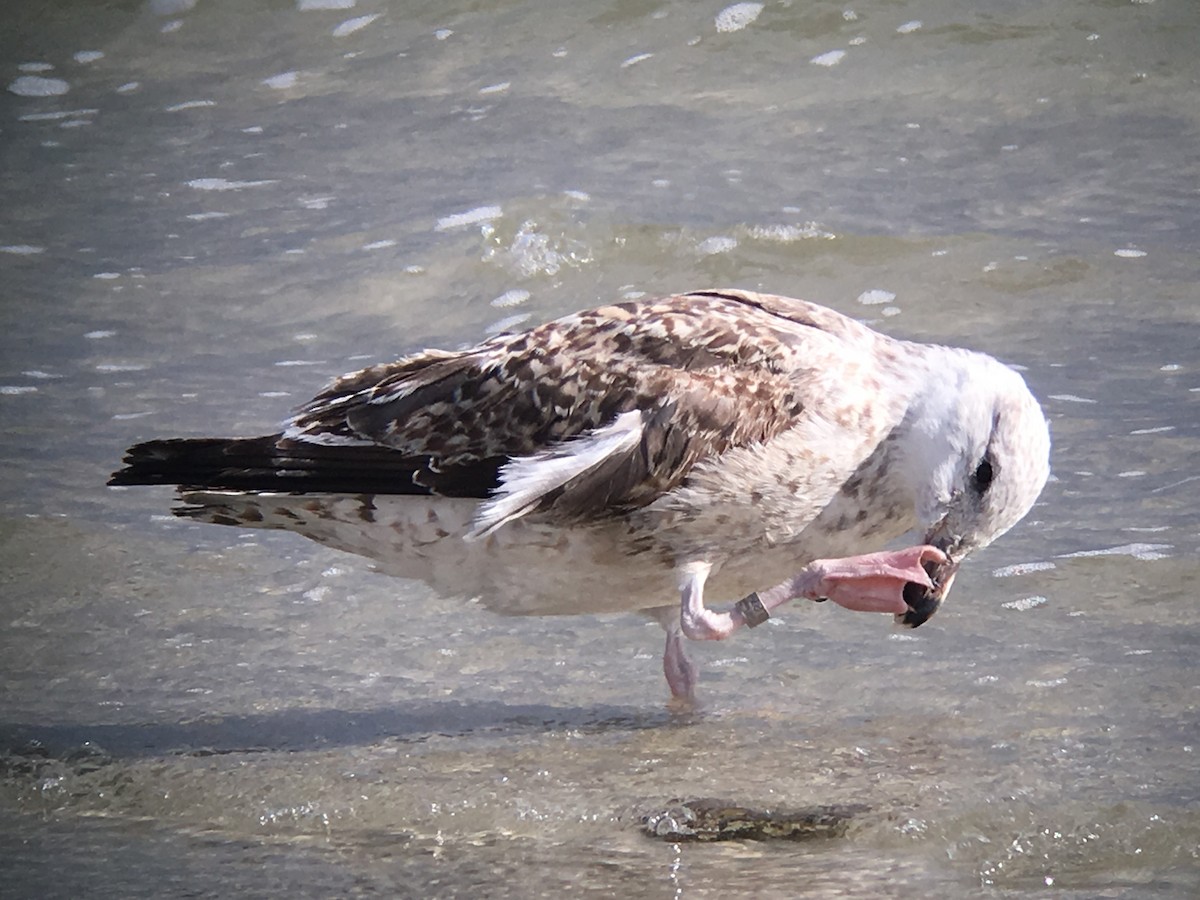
719	440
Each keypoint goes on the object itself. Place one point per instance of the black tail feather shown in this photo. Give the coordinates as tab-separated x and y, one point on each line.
202	462
275	463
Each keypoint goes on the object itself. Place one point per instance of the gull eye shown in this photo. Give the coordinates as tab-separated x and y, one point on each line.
982	478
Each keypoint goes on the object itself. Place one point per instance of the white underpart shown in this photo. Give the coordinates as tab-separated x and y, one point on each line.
525	480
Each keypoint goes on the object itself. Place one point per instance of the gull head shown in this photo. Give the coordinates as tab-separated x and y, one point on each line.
978	456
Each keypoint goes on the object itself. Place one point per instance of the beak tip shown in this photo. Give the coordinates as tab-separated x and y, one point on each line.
917	616
922	601
925	600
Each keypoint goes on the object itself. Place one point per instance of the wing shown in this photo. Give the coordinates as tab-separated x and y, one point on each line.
587	416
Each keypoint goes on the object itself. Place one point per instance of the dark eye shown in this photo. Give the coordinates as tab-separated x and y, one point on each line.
982	477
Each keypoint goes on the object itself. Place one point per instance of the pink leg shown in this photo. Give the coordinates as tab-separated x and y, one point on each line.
681	672
873	582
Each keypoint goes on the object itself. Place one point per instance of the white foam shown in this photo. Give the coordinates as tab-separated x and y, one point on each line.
83	57
224	184
533	252
206	216
22	249
875	297
1025	603
1053	682
910	27
476	216
303	5
1129	253
1071	398
120	367
37	86
35	67
442	33
190	104
1173	485
717	244
129	87
380	245
99	335
1137	551
832	58
634	60
357	24
282	81
732	661
786	234
737	16
507	323
10	390
498	88
1023	568
510	298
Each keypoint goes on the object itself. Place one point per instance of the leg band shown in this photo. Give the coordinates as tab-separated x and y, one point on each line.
752	610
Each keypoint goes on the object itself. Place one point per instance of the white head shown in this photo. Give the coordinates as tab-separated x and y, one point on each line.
978	452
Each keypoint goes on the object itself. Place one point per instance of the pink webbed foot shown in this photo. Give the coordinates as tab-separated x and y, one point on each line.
874	582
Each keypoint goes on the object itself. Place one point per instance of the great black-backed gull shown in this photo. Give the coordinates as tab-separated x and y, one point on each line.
719	440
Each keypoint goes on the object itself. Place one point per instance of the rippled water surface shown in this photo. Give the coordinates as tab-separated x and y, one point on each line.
210	208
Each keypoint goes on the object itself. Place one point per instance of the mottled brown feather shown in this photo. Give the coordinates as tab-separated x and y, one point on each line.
708	371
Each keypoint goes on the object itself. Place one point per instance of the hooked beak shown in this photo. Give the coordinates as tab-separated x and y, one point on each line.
924	601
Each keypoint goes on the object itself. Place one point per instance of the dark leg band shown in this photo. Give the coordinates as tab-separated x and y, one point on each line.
752	610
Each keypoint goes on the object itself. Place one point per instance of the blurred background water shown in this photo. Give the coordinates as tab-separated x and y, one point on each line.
210	207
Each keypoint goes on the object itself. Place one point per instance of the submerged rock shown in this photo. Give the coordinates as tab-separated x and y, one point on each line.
710	819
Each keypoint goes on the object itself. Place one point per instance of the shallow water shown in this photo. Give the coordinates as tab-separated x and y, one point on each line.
237	201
